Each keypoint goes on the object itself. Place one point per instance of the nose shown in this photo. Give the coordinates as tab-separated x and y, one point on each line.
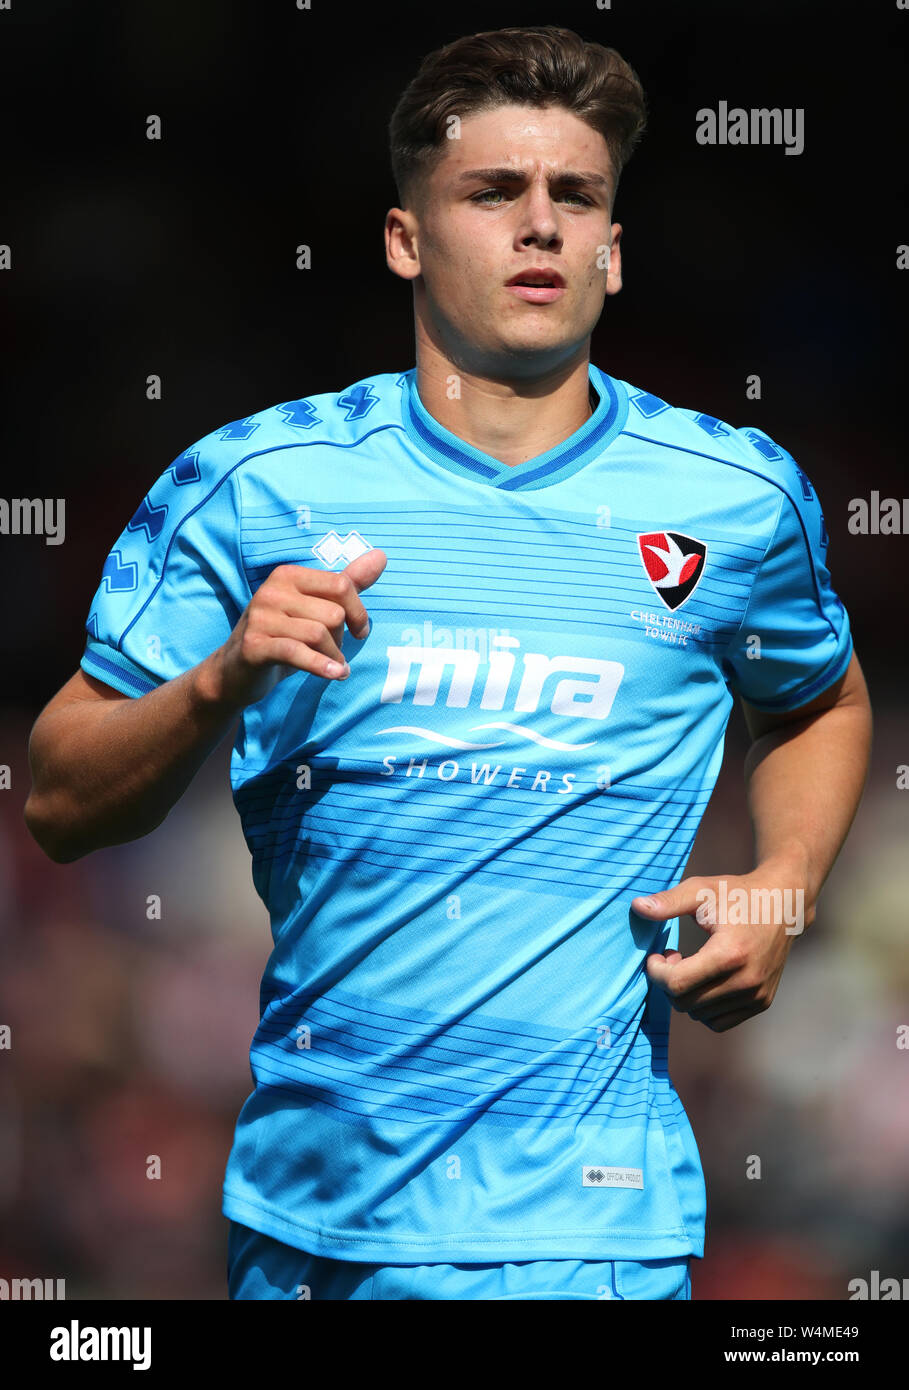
540	222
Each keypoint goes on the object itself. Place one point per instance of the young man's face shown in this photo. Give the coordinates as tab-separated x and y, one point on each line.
477	231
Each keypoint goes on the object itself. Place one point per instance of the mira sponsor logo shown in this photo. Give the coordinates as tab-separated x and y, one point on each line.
572	687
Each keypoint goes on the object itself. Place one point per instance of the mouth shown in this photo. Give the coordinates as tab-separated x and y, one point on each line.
537	286
541	275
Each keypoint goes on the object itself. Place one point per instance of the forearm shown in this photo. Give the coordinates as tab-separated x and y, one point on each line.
107	772
804	783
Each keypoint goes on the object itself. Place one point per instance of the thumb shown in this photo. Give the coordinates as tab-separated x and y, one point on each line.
365	569
672	902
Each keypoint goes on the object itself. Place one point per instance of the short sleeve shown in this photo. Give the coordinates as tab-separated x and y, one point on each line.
173	586
795	638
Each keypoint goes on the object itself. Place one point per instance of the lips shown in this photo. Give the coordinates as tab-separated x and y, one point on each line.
538	276
538	285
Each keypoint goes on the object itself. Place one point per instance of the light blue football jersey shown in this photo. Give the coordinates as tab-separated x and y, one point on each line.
460	1056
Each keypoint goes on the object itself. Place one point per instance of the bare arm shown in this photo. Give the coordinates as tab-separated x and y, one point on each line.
805	773
107	768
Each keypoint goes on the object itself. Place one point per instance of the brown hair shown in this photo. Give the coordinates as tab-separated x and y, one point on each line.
539	66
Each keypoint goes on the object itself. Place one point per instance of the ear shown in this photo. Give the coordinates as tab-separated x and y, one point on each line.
401	235
614	275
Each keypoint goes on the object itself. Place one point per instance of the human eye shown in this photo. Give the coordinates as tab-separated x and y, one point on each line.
484	195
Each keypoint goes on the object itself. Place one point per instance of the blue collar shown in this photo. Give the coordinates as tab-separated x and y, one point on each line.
566	458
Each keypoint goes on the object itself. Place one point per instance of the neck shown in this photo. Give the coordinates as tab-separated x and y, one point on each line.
510	420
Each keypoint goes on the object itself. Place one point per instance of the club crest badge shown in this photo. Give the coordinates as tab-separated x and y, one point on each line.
673	563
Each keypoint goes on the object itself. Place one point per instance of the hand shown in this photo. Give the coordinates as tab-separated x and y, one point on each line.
735	974
294	622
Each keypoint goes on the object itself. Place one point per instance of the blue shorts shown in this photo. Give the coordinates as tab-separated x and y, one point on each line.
259	1267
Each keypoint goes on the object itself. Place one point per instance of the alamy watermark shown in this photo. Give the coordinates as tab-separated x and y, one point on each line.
878	516
876	1288
739	907
757	126
80	1342
32	1290
484	640
35	516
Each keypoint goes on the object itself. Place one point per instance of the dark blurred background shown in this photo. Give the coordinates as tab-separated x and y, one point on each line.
177	257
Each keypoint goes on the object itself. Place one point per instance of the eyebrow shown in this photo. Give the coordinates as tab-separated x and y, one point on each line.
508	174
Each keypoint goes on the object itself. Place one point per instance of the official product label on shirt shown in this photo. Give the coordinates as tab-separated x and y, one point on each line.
604	1176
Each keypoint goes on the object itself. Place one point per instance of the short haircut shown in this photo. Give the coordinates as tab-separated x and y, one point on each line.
538	66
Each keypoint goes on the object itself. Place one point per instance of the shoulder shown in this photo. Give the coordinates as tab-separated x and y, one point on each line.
745	448
204	473
339	417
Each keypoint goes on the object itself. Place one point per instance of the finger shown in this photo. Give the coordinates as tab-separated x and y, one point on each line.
288	650
340	587
310	633
362	572
319	610
658	962
707	966
672	902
